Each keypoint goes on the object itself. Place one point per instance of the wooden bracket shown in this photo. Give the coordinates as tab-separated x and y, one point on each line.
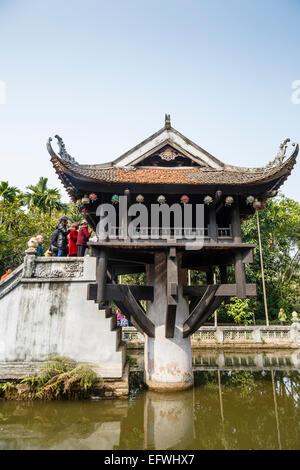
172	292
134	312
199	313
114	292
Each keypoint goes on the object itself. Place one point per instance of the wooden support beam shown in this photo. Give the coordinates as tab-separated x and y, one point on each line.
114	292
216	259
193	302
130	256
206	314
127	268
101	276
172	292
192	322
224	280
240	276
131	307
229	290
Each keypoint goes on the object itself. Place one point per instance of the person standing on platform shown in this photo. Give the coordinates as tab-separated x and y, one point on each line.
62	233
40	240
83	238
73	235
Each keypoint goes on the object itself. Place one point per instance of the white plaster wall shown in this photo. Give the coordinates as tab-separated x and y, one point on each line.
38	319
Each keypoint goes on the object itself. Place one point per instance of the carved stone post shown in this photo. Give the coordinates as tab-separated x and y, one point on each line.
29	262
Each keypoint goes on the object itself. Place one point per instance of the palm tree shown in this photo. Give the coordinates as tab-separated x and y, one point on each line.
8	193
43	198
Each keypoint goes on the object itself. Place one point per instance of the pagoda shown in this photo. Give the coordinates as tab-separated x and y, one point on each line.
169	170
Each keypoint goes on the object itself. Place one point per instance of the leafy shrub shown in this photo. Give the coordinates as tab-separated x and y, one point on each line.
239	310
60	377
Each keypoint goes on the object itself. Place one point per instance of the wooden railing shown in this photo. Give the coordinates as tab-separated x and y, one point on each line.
180	233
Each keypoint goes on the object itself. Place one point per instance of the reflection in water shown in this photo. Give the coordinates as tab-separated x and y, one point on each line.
168	420
254	408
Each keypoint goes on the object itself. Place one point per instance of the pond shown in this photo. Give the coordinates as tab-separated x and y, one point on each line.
241	400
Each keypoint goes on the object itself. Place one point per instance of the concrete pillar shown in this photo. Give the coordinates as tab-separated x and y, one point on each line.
169	420
168	361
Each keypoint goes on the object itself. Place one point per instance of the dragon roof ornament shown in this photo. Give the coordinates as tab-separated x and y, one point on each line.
278	160
63	154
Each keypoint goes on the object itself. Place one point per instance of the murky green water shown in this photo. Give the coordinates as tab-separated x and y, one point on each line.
252	404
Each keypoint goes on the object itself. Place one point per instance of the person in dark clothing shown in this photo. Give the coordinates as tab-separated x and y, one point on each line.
82	239
53	248
61	239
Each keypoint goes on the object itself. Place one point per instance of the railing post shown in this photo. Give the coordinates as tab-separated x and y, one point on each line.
257	334
29	262
219	335
213	230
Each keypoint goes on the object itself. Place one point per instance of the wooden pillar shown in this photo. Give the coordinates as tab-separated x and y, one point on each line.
213	231
235	223
239	267
224	280
172	292
101	277
128	194
210	276
223	274
240	275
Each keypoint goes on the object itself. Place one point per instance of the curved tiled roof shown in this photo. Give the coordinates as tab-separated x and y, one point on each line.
164	175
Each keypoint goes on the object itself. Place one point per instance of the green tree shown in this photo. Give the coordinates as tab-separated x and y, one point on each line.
8	193
42	198
280	235
17	226
240	311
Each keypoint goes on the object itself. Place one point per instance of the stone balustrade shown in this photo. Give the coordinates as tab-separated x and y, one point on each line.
227	336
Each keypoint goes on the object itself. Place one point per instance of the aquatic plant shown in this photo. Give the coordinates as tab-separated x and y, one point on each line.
7	389
61	377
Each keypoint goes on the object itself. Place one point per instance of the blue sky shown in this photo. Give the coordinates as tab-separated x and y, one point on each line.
102	74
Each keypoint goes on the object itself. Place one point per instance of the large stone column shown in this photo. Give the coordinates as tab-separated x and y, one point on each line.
168	361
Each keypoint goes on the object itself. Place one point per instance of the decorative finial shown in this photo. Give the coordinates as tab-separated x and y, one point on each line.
63	154
62	151
280	155
167	121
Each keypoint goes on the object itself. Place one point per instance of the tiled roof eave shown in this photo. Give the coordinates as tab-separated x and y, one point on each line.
165	176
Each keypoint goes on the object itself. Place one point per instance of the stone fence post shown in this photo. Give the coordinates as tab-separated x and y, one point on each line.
29	262
295	327
256	334
219	335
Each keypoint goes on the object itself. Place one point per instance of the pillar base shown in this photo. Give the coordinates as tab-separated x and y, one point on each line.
169	386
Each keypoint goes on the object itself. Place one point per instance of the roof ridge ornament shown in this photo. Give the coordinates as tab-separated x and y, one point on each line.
63	154
167	121
278	160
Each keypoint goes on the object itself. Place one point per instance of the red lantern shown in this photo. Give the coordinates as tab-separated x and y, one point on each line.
93	197
184	199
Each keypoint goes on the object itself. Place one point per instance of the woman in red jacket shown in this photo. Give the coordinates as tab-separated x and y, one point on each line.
82	239
73	239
